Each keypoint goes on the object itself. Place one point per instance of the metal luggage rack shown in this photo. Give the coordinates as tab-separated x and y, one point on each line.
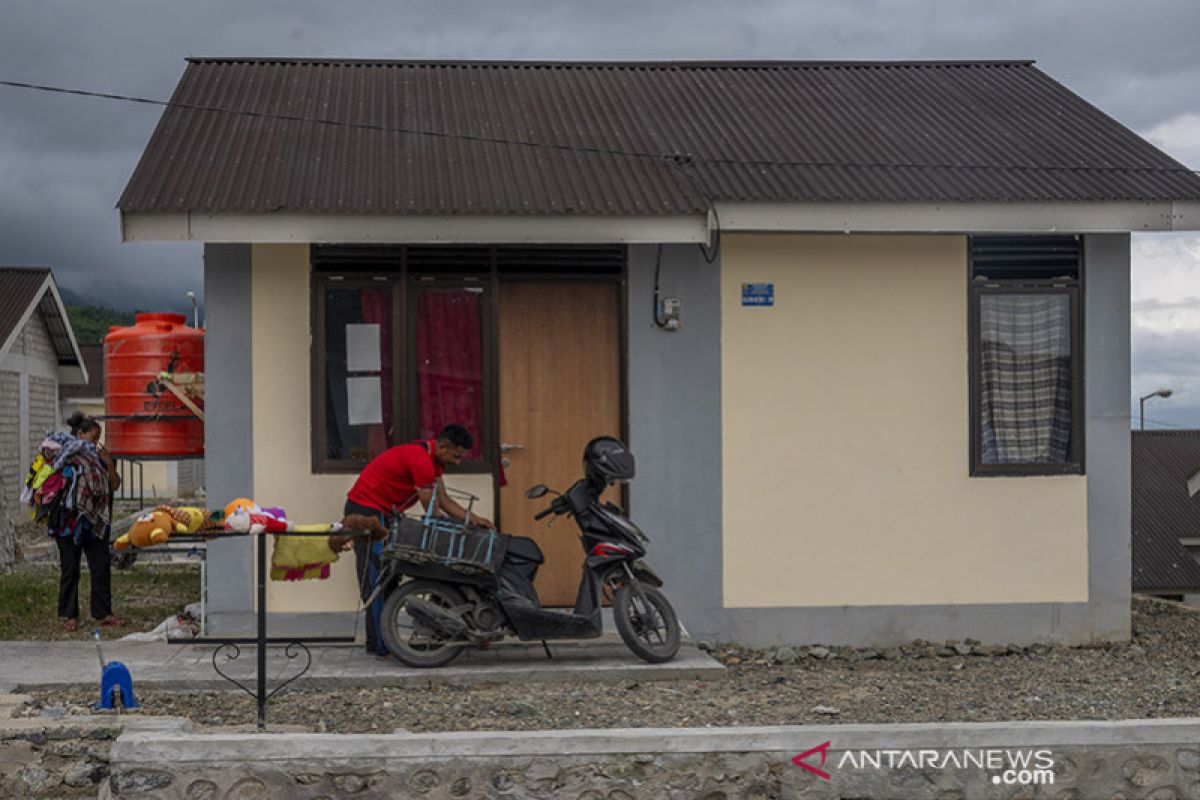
429	539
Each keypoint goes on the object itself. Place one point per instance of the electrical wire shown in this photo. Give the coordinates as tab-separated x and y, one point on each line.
1165	424
712	249
657	272
670	158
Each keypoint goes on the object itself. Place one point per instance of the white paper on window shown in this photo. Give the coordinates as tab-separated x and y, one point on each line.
362	348
364	401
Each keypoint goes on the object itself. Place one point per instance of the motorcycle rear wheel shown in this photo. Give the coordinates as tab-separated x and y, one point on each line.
647	623
406	640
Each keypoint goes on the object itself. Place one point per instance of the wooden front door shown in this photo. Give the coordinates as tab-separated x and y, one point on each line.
560	386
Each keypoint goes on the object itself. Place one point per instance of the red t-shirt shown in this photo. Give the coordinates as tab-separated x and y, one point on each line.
393	477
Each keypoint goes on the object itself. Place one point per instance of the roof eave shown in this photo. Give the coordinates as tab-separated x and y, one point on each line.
1190	589
809	217
297	228
71	366
963	217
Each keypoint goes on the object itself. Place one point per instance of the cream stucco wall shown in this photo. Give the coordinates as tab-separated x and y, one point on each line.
845	438
282	424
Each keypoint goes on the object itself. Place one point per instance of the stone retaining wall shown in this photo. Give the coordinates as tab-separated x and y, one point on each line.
1148	760
40	758
68	757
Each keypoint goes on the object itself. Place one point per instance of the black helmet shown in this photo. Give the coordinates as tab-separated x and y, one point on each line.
605	460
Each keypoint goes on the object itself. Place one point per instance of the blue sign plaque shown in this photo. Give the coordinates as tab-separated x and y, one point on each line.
758	294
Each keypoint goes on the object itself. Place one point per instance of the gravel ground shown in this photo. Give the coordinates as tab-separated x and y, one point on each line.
1155	676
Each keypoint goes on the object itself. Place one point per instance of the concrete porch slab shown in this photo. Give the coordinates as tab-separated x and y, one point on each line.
158	665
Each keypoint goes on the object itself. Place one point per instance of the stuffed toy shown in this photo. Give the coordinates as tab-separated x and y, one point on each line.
302	558
241	502
187	519
243	515
149	529
297	558
363	523
243	520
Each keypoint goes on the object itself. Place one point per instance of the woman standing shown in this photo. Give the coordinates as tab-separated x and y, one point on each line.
81	525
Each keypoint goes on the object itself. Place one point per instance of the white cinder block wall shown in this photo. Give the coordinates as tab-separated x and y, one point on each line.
28	405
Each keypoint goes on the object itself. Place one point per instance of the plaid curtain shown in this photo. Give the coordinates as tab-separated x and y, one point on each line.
1025	378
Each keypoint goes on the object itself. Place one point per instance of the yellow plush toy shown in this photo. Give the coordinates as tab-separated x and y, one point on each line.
149	529
187	519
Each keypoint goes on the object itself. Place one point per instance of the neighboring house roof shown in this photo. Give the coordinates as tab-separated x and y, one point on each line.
25	291
1162	462
19	289
641	139
93	359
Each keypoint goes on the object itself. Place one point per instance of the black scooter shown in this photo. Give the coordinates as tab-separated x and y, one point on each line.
435	611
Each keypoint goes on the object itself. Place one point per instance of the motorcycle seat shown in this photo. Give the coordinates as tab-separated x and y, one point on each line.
522	548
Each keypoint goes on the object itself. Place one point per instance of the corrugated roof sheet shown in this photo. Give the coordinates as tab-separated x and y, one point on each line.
1163	511
594	138
20	287
93	360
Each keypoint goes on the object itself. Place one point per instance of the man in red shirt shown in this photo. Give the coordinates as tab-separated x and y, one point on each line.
400	476
390	484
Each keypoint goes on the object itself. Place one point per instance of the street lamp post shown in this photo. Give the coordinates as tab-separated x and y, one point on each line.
1163	393
195	309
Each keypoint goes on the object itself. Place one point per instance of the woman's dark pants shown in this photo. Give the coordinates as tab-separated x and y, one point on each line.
69	556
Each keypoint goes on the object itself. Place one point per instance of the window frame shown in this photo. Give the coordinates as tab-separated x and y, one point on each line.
321	463
1074	289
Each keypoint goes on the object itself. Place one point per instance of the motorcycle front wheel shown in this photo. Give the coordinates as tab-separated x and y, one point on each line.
407	640
646	622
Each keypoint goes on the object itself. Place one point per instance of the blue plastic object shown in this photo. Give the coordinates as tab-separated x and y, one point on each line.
114	678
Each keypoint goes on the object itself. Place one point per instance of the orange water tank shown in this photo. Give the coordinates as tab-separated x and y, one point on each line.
144	418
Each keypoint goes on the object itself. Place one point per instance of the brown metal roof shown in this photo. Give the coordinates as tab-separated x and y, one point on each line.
1163	511
645	138
93	359
20	288
23	287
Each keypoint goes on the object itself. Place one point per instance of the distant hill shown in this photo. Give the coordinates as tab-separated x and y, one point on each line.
91	323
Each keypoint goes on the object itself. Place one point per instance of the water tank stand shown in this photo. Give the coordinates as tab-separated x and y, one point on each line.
127	483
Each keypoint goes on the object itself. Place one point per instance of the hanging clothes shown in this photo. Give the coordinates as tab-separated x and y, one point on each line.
67	488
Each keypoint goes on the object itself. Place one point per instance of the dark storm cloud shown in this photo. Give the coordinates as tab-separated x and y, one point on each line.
64	160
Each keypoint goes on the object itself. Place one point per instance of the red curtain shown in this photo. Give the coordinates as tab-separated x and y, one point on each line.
377	310
450	363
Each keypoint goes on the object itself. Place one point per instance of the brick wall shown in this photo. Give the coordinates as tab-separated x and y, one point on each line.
10	442
191	477
35	341
9	430
43	410
34	359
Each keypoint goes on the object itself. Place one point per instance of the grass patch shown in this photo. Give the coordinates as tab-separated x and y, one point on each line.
143	596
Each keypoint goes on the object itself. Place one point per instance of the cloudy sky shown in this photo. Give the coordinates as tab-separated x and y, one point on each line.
65	160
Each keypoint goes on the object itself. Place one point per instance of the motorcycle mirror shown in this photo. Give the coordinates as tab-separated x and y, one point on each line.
536	491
